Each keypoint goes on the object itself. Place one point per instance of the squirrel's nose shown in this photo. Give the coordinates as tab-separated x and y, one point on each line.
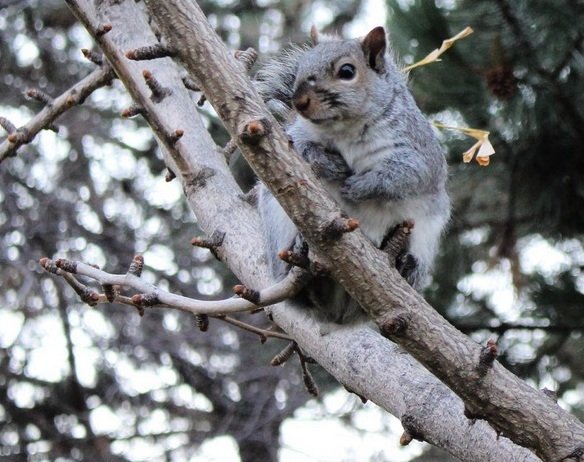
301	102
303	98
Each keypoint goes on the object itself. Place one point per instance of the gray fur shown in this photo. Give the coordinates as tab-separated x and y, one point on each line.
370	145
275	80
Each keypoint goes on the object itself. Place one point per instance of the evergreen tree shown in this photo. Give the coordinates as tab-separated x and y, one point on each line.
520	77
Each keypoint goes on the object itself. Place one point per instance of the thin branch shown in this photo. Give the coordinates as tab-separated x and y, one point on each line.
156	297
93	56
153	296
86	294
263	333
285	354
45	118
7	125
155	51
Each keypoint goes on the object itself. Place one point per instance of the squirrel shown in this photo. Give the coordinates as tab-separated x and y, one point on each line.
350	115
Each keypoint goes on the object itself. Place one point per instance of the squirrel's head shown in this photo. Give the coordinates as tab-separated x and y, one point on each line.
338	80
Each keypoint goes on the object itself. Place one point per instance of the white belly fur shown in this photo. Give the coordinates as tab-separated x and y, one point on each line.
377	218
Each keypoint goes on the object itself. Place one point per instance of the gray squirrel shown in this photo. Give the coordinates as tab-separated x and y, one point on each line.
350	115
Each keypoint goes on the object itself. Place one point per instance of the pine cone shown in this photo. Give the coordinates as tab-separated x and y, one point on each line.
501	82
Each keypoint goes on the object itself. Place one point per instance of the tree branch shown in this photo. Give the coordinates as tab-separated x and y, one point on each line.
505	327
511	406
45	118
154	297
358	357
550	76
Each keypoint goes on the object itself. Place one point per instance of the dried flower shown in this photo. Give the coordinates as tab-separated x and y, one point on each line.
482	148
446	44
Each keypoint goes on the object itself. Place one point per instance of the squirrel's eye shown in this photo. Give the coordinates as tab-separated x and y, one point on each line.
347	72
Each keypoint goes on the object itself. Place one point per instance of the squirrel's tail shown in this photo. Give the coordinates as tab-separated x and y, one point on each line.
275	80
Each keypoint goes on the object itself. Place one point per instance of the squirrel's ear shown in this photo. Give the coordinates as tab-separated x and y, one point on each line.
317	37
314	35
374	45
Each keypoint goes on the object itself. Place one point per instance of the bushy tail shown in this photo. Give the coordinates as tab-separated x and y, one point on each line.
275	80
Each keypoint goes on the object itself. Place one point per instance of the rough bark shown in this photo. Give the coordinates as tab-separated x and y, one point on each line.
359	357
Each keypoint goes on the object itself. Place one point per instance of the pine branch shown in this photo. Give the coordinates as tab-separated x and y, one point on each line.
572	113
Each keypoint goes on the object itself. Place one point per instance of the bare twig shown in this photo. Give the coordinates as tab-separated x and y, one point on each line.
307	378
7	125
263	333
86	294
247	57
39	95
132	111
339	226
148	52
229	149
212	243
161	299
159	92
284	355
103	29
152	296
93	56
45	118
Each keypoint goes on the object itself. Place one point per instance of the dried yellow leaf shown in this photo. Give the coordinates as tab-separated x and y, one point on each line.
446	44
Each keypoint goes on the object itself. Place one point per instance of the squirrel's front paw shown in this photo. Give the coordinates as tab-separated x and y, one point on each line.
326	163
331	168
359	188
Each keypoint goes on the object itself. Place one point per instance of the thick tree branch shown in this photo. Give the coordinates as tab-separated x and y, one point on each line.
504	327
510	405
